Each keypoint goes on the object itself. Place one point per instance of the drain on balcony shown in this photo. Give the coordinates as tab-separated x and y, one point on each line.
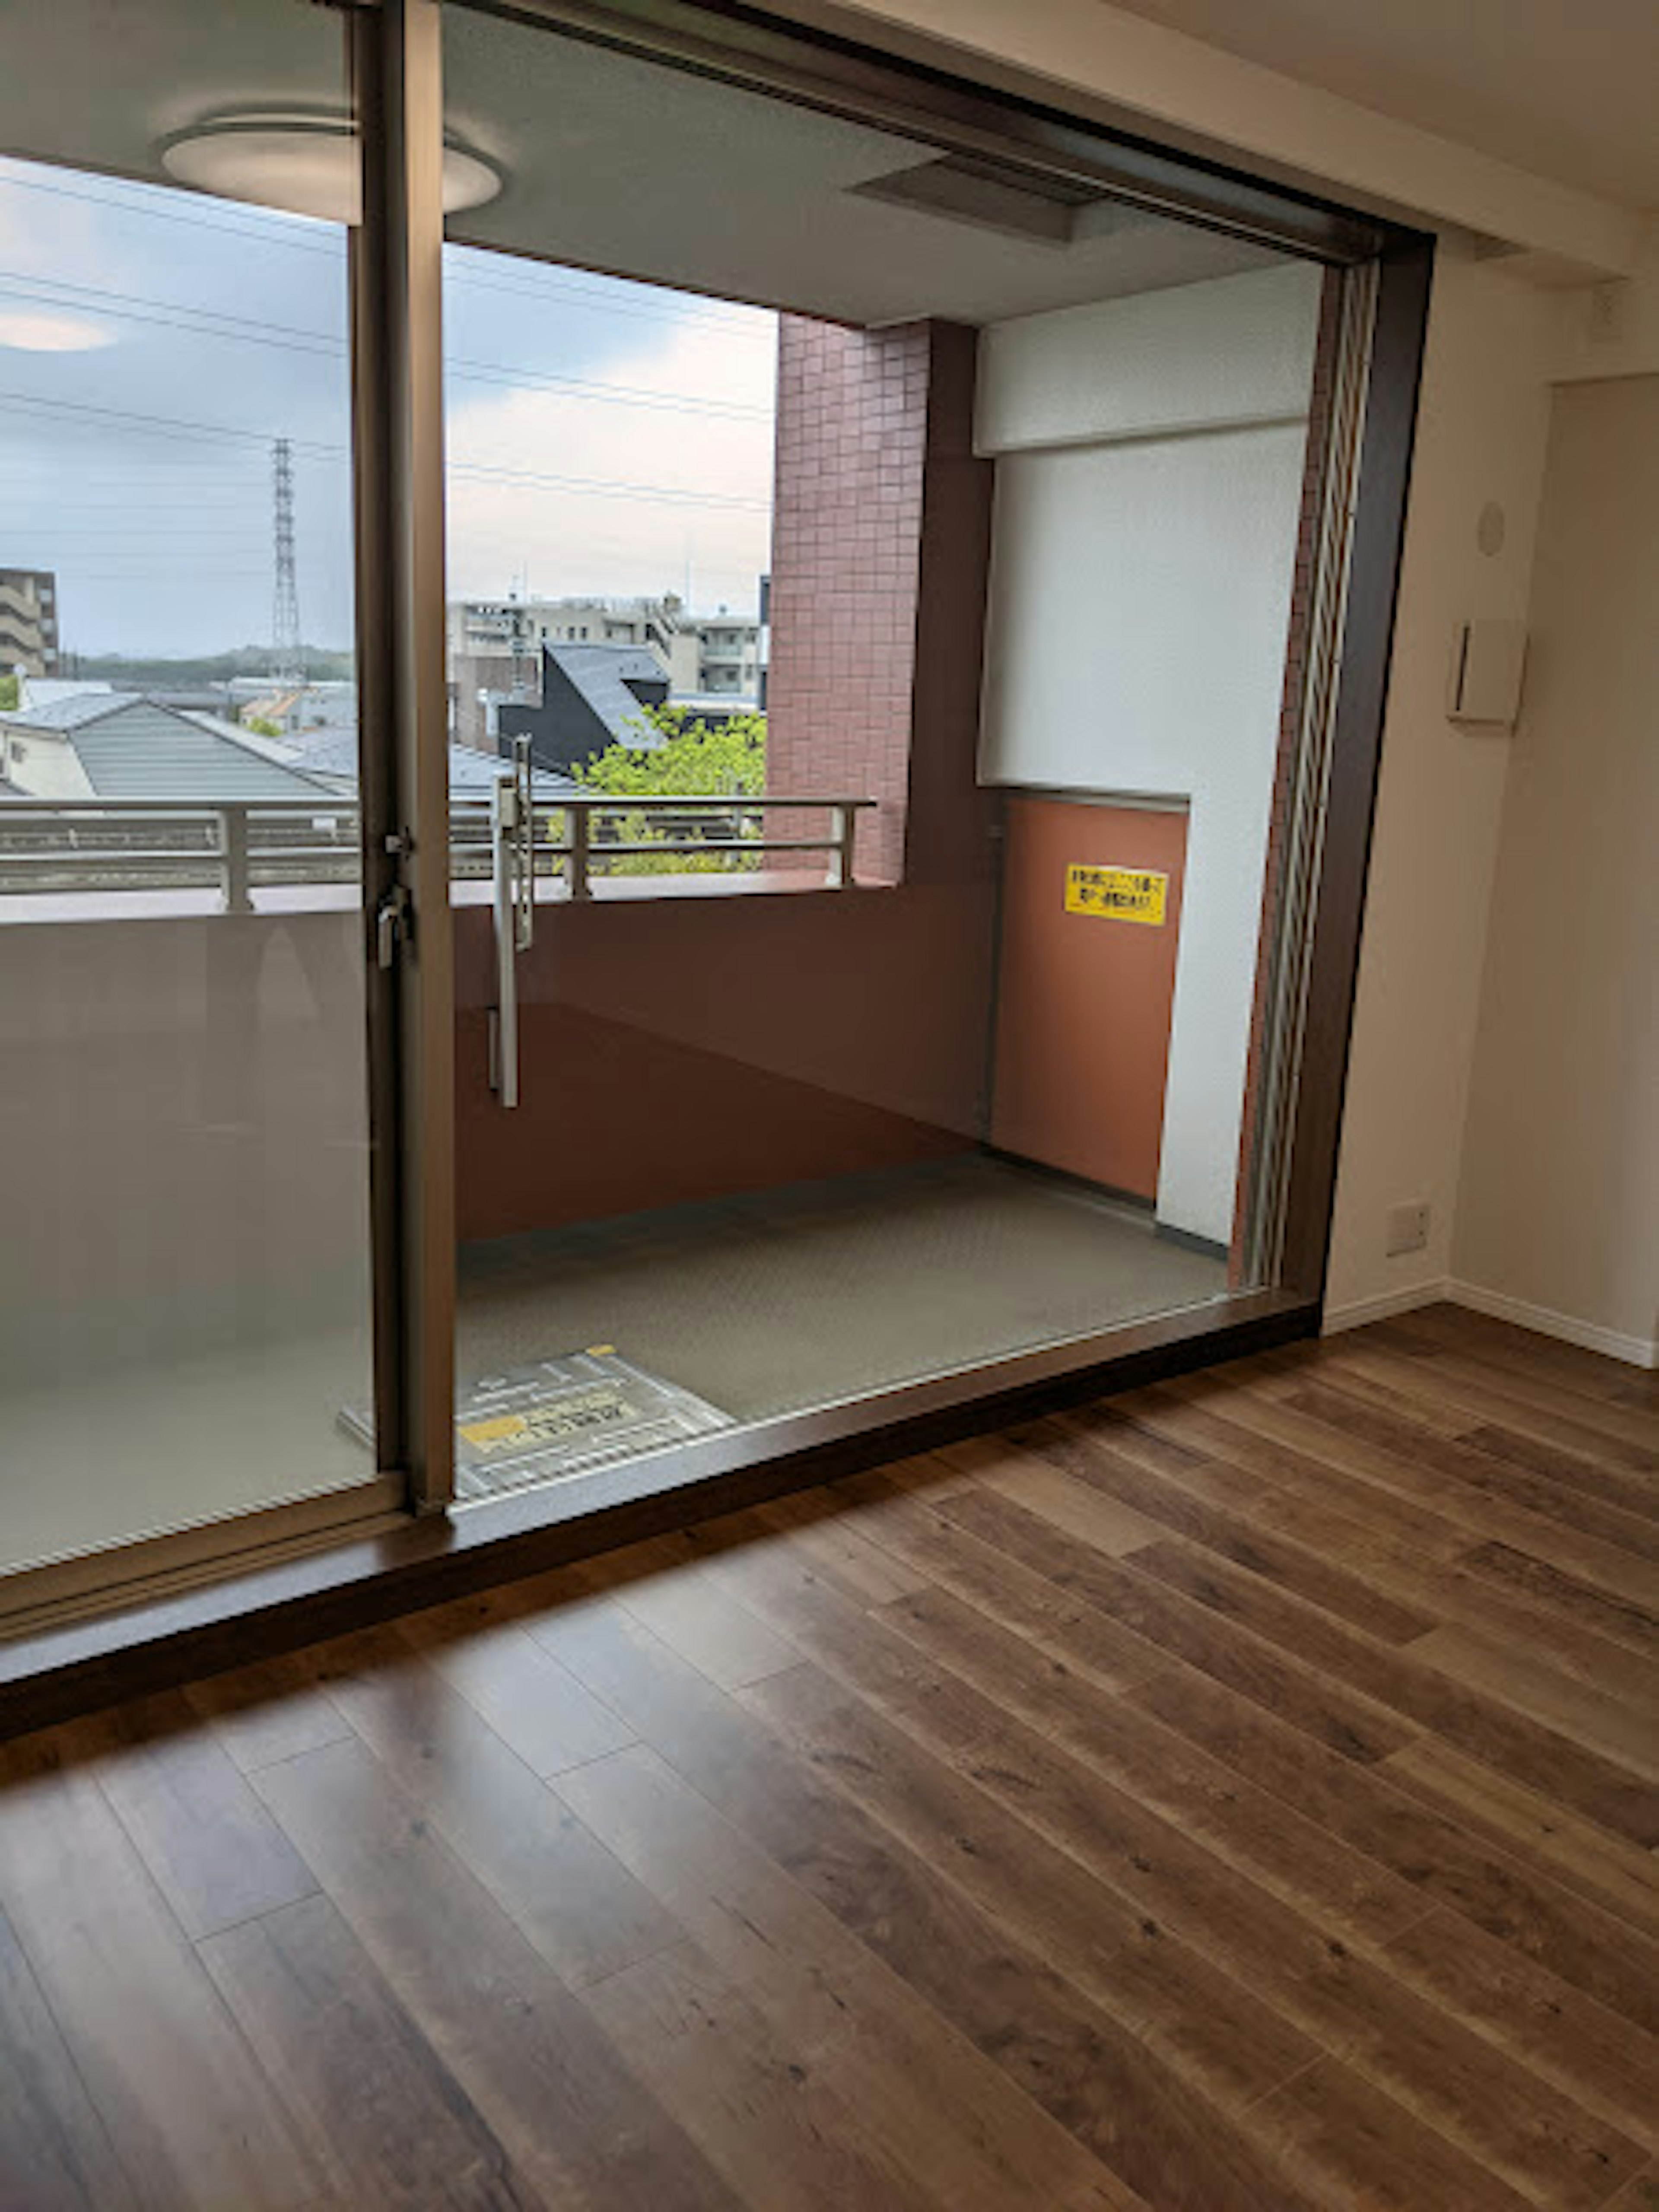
559	1418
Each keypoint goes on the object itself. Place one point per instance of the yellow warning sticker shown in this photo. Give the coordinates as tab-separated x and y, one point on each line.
498	1432
571	1413
1116	893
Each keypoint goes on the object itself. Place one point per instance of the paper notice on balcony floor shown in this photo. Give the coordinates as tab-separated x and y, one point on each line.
563	1416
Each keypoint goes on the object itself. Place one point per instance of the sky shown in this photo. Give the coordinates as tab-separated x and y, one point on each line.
601	436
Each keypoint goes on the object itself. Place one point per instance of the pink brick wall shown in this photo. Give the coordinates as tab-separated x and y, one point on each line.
852	455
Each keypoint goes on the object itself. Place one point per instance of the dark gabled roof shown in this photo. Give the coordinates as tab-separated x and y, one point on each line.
603	675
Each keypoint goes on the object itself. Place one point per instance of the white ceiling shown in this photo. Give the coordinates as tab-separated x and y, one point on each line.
1567	89
627	166
610	163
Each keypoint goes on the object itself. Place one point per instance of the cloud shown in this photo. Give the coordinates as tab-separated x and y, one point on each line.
27	330
568	491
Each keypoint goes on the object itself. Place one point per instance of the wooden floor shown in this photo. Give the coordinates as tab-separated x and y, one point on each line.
1242	1793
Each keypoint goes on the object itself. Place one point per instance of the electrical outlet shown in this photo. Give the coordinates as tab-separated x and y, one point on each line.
1408	1228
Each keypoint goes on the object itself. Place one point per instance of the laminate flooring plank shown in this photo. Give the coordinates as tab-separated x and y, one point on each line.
1506	1481
1381	1813
1241	1824
1620	1876
1498	2111
193	2120
764	2118
1357	1727
1597	1786
388	2125
216	1855
1053	1493
1088	1454
1567	1367
1156	1410
928	2103
1412	1371
1228	2045
537	1708
1119	2102
546	2081
1629	1434
1523	1678
269	1709
55	2153
1325	2116
1407	1473
729	1646
1457	1596
912	1527
1543	1582
579	1906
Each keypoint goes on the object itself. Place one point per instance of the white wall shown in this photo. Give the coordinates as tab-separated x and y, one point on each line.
41	765
1558	1203
1481	429
1143	554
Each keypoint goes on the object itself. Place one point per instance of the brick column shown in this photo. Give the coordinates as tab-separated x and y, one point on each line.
881	542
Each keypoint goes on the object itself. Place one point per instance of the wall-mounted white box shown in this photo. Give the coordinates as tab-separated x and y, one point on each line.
1487	660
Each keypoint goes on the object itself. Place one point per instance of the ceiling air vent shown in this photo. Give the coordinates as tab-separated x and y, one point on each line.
1050	210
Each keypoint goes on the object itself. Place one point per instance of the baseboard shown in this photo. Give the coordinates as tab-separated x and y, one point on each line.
1634	1351
1384	1305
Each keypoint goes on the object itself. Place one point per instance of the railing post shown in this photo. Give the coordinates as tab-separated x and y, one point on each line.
236	878
842	820
578	816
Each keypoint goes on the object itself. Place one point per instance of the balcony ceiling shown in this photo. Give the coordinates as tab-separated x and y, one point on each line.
610	163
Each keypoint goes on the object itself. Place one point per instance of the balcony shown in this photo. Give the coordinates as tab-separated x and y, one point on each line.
76	854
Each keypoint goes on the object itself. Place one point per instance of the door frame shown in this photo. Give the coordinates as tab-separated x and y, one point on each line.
273	1600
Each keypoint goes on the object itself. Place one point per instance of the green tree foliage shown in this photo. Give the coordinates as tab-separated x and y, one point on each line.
699	760
261	725
9	700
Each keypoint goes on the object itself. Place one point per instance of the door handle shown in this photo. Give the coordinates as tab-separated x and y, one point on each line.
513	879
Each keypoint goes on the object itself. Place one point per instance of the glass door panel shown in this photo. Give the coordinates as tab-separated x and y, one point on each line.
877	574
184	1141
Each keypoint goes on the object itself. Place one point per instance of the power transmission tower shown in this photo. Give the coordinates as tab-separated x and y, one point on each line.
286	660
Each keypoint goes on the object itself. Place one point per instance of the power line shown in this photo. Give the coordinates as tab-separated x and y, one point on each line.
290	338
559	285
168	426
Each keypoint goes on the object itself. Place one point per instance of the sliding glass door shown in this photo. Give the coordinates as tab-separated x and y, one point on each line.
686	731
881	589
186	1323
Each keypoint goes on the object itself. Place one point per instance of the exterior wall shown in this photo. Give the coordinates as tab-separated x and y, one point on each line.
28	621
1558	1200
687	1047
851	433
1145	553
42	765
1083	999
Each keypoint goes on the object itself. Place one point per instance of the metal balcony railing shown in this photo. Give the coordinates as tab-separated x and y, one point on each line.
239	846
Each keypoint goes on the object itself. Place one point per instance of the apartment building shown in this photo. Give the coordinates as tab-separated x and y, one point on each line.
714	655
28	621
925	1476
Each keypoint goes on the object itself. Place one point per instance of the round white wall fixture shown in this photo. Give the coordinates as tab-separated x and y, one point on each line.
304	164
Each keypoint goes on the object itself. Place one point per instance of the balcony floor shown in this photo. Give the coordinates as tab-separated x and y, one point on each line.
780	1301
